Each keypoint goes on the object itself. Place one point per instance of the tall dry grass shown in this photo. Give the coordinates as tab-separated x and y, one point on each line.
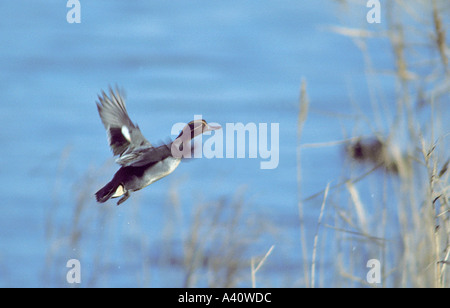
396	209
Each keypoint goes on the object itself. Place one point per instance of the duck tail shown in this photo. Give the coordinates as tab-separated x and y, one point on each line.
107	191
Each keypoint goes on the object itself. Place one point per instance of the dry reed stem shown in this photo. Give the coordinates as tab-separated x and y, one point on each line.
440	37
303	113
359	207
316	237
255	270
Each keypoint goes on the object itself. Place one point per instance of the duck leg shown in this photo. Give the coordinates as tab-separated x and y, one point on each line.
126	195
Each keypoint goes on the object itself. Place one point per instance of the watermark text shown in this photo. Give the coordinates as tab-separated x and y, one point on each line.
74	14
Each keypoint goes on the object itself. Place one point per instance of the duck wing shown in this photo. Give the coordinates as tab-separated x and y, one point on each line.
123	135
145	155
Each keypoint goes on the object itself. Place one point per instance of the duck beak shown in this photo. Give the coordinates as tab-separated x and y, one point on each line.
211	127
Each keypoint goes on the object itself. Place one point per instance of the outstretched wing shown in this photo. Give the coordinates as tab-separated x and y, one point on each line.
123	135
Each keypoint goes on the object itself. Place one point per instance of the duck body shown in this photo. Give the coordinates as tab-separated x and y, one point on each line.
141	163
130	179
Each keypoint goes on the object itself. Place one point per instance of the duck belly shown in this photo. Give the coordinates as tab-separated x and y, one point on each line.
160	170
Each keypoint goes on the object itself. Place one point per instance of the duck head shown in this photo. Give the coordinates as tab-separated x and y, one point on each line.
181	146
195	128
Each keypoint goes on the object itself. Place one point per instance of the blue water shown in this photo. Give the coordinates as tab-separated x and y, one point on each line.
229	61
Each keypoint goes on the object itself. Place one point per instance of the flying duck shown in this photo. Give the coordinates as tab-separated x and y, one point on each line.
141	163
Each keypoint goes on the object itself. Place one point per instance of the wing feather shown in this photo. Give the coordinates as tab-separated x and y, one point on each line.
123	134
